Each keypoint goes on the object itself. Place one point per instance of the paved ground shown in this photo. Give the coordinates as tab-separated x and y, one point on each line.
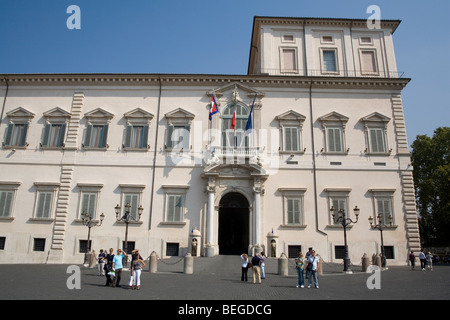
219	279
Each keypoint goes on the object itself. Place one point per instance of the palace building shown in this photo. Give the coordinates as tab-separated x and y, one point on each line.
315	127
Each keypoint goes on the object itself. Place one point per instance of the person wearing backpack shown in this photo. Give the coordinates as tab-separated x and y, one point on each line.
311	269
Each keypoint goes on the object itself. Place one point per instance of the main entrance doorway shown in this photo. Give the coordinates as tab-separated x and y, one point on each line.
233	224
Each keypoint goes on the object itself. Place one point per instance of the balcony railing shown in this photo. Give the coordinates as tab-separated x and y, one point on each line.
339	73
235	151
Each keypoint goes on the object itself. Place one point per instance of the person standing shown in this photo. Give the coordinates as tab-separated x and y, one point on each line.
117	267
429	257
263	264
311	269
256	261
299	265
244	258
423	260
412	259
101	263
136	269
108	266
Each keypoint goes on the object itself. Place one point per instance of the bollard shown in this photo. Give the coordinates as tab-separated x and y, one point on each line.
320	267
365	262
188	264
378	261
153	263
283	265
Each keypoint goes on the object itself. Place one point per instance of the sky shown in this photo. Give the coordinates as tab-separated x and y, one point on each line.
213	37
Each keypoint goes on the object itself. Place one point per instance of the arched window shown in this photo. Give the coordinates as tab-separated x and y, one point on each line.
235	137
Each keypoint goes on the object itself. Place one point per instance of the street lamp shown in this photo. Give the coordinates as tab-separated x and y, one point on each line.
344	221
87	220
127	218
380	226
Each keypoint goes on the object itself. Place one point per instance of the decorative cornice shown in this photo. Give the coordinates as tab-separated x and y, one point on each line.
212	80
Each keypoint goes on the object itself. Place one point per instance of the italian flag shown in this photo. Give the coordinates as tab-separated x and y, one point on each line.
233	120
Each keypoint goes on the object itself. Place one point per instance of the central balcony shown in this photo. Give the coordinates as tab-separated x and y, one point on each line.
241	152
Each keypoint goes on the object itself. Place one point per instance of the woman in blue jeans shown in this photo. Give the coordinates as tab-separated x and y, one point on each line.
299	265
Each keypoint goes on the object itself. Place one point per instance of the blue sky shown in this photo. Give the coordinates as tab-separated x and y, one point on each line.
213	37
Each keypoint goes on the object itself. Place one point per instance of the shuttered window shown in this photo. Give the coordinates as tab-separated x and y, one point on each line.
178	137
292	139
334	140
6	198
16	134
133	200
96	136
377	140
54	135
289	62
338	204
384	209
174	207
294	210
44	205
89	204
136	137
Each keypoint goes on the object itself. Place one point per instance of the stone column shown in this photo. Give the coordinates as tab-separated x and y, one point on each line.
257	189
209	249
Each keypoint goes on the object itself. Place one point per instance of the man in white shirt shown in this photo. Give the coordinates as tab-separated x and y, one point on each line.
311	269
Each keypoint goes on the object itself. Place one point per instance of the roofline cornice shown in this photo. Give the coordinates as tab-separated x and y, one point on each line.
113	79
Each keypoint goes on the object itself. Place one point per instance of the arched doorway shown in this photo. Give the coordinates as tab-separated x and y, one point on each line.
233	224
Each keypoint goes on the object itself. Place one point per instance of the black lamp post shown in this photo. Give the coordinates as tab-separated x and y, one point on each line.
89	222
380	226
344	221
127	218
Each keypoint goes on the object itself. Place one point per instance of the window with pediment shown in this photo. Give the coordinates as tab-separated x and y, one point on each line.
333	125
55	128
16	132
291	124
375	127
178	130
136	132
97	129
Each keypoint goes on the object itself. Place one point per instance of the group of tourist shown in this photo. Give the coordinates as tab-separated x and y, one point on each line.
110	265
426	260
310	263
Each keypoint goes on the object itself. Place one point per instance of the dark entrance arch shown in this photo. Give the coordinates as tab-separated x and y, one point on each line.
233	224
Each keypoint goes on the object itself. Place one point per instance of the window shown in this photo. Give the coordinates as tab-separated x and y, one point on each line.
383	206
97	129
55	128
174	207
45	199
7	197
89	197
288	38
292	207
136	133
338	199
2	243
329	61
131	245
16	132
375	126
89	204
327	39
334	140
293	251
53	135
178	137
175	197
368	62
339	252
292	139
334	128
293	210
365	40
291	124
236	137
288	60
96	136
84	246
39	244
377	142
172	249
132	194
136	137
134	200
6	200
384	209
178	130
16	135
